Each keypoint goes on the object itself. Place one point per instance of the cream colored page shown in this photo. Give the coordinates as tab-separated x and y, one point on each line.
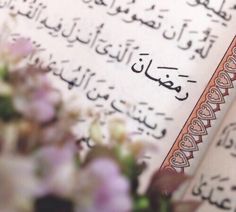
147	61
215	181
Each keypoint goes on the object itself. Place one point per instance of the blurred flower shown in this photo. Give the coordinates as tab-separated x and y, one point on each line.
57	170
22	47
37	102
18	184
58	132
13	53
5	89
101	187
8	137
95	132
117	130
41	165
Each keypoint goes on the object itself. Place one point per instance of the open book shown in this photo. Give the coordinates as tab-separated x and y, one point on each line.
167	67
214	180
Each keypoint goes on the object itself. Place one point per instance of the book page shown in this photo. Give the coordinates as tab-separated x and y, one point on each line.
200	128
214	182
146	61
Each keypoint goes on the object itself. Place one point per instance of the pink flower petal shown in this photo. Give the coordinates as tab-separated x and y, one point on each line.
20	48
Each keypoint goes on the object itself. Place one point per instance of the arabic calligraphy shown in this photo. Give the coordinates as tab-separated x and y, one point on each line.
184	35
98	51
227	139
218	191
166	83
87	81
157	23
207	4
72	33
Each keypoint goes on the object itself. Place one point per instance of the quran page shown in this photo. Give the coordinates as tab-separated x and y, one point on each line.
214	182
154	63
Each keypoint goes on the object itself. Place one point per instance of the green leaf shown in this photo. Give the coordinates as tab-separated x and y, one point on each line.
165	205
141	204
7	110
3	72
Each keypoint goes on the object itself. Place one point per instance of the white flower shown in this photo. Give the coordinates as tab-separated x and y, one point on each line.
18	184
102	187
57	170
5	89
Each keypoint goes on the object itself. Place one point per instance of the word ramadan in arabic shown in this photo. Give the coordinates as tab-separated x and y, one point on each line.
166	83
216	191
